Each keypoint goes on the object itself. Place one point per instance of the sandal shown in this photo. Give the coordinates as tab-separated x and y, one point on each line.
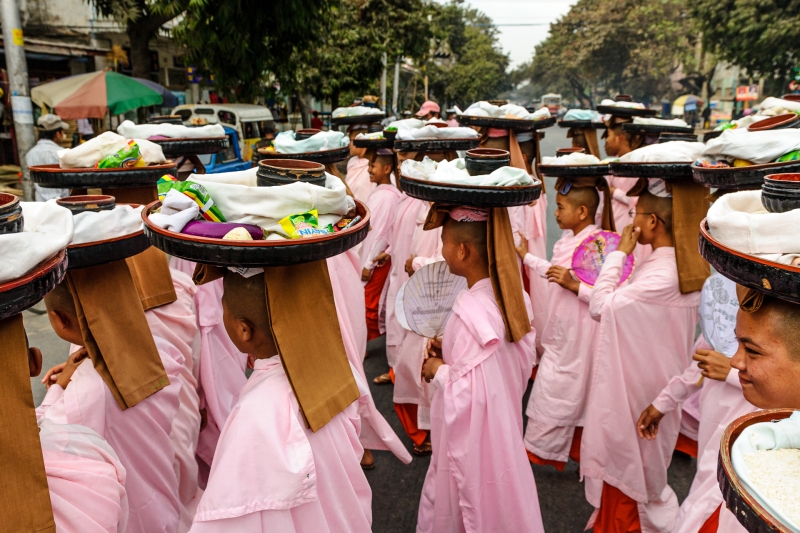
383	379
371	464
423	449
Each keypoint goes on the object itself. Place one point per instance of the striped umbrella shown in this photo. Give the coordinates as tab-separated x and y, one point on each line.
94	94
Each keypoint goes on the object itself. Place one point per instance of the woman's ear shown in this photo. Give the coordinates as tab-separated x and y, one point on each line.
583	212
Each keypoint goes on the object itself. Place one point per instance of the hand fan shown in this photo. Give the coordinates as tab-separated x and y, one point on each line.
399	310
591	253
428	298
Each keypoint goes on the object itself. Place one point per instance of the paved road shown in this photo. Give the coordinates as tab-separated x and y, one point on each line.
397	487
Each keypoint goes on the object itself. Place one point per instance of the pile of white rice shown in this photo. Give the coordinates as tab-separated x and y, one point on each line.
776	475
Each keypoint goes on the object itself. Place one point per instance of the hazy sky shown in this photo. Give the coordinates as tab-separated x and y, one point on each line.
522	23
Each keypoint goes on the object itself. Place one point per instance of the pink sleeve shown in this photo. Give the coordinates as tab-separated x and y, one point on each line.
53	394
679	389
585	293
442	377
606	283
537	264
620	196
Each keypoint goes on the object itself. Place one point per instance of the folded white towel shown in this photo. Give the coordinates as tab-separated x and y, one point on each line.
173	131
177	210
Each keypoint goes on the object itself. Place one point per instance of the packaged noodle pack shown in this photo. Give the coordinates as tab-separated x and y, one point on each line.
196	192
303	225
127	157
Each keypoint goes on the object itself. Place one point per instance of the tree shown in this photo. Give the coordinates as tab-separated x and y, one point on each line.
763	36
141	19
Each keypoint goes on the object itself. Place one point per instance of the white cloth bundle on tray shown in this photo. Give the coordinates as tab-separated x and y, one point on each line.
286	143
772	102
455	172
172	131
670	152
241	200
48	230
405	133
93	226
626	105
650	121
355	111
583	114
512	111
758	147
411	123
87	155
571	159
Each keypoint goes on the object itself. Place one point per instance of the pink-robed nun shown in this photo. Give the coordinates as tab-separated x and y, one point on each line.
357	178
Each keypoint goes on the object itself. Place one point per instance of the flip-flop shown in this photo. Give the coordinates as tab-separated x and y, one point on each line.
423	450
370	466
383	379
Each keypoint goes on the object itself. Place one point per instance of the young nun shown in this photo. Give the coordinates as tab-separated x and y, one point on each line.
375	262
618	143
721	402
556	407
126	386
281	465
357	177
645	339
479	478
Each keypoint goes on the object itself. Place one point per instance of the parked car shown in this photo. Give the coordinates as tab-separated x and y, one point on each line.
228	160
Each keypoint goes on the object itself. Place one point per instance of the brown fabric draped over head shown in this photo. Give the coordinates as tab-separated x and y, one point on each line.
150	269
315	360
503	267
116	333
24	495
634	140
690	204
600	183
590	139
750	300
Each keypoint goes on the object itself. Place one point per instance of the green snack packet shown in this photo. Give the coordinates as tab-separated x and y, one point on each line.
303	225
126	157
791	156
196	192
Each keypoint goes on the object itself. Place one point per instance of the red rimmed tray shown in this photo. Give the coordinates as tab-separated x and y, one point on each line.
22	293
183	147
626	111
774	279
741	177
102	252
651	170
474	196
53	176
359	119
323	156
741	503
253	254
506	123
574	171
436	145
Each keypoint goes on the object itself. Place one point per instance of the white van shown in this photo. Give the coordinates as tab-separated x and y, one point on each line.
252	122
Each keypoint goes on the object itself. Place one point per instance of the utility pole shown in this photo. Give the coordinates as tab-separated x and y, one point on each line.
383	83
20	92
396	87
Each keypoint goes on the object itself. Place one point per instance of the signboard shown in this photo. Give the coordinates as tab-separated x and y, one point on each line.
745	93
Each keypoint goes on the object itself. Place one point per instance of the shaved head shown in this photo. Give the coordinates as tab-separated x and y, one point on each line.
384	159
661	207
584	196
785	318
246	299
470	233
60	299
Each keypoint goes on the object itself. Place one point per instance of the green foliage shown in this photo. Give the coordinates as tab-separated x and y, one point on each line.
763	36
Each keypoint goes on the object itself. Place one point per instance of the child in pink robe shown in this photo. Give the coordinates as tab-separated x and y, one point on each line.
357	177
479	478
721	401
556	407
645	339
86	480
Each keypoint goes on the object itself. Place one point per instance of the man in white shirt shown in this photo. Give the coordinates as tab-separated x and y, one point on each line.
51	132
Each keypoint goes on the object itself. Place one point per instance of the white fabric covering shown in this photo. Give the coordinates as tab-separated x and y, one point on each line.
241	200
485	109
455	172
86	155
627	105
671	152
756	146
48	230
356	111
404	133
412	123
102	225
285	142
772	102
571	159
177	210
649	121
173	131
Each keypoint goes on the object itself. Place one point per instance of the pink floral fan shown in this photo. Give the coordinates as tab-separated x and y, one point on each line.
591	253
428	298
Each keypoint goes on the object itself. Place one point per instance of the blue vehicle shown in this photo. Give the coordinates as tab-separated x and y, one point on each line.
228	160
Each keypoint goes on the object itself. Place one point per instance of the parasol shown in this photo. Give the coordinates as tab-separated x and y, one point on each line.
94	94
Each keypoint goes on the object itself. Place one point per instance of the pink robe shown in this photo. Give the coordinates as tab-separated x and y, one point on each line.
557	403
645	339
405	224
86	480
382	203
221	366
479	478
140	436
271	473
348	294
357	178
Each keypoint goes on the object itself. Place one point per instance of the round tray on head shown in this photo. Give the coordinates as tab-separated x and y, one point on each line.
436	145
253	254
359	119
751	514
651	170
11	220
102	252
182	147
373	143
506	123
581	124
626	111
573	171
773	279
272	172
653	129
741	177
323	156
53	176
21	293
474	196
